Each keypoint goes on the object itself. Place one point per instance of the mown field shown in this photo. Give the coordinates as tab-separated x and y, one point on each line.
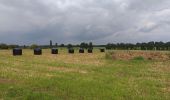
82	77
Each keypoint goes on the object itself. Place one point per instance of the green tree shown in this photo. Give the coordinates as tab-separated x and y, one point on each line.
3	46
69	46
56	44
62	45
51	43
84	45
91	45
33	46
12	46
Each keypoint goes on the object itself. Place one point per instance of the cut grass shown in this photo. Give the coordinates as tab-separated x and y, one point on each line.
81	77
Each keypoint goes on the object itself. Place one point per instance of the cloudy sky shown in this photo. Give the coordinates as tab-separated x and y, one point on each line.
74	21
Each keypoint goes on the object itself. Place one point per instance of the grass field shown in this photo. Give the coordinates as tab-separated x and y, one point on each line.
81	77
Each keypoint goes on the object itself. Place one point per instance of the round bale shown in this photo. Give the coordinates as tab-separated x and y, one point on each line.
17	51
54	51
102	50
81	50
71	50
90	50
37	51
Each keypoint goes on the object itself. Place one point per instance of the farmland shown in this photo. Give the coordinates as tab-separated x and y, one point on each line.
85	76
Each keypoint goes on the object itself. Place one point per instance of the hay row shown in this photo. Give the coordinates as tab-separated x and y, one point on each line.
38	51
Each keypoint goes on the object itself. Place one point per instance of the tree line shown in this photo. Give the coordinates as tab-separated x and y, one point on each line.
82	45
115	46
5	46
140	46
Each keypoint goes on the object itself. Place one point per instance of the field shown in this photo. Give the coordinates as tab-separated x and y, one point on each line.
82	77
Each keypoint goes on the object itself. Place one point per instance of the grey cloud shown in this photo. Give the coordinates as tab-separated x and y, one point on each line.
100	21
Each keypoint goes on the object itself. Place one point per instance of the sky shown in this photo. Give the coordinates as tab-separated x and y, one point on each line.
75	21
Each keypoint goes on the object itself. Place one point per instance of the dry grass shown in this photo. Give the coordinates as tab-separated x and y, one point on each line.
150	55
64	69
64	57
7	81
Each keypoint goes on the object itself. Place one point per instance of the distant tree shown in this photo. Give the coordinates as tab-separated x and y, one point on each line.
77	45
12	46
3	46
150	45
33	46
109	46
130	46
69	46
138	46
167	46
162	45
56	44
157	45
24	46
51	43
122	46
62	45
143	46
84	45
91	45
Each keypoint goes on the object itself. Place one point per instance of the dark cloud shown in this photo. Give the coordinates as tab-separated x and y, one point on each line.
99	21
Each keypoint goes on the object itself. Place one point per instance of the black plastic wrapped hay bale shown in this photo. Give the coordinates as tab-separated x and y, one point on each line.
54	51
102	50
37	51
81	50
90	50
71	50
17	52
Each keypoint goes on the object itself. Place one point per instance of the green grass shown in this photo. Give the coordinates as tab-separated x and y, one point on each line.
81	77
139	58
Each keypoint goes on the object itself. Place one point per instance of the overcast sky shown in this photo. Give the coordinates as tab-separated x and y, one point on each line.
75	21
